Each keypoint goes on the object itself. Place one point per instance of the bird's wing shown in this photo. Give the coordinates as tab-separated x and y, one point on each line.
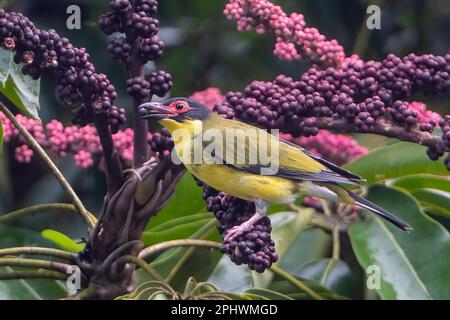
291	161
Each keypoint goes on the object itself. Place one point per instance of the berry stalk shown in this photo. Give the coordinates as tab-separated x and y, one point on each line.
135	42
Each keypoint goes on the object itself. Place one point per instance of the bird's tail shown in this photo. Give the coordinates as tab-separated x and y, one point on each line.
366	204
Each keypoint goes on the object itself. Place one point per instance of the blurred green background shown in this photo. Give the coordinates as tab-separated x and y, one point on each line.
204	49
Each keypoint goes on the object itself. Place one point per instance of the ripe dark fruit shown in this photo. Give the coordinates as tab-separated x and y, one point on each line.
255	247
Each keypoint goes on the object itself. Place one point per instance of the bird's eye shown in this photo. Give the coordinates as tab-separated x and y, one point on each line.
179	106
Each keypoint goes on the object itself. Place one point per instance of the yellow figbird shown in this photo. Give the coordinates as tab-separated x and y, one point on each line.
296	169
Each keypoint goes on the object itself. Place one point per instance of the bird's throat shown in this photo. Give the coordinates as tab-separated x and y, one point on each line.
172	125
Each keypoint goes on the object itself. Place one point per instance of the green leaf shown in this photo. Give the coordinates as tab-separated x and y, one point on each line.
393	161
9	90
5	65
310	245
187	200
62	241
333	274
420	181
27	90
436	200
412	265
180	228
432	191
287	288
226	270
265	294
26	289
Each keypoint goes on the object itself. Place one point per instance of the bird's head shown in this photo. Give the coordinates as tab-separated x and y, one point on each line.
177	109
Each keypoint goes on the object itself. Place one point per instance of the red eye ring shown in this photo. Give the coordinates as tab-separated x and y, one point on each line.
180	106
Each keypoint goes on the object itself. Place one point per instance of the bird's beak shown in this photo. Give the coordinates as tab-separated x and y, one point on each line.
154	110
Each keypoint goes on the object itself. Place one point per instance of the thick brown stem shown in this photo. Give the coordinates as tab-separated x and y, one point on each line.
140	126
121	224
114	172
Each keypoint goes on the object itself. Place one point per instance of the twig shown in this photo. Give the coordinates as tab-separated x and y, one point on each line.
33	274
116	253
178	243
5	105
85	294
35	263
293	280
50	208
113	166
336	242
141	263
187	255
39	251
334	230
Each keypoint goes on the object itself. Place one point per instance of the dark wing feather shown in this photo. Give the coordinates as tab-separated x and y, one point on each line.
326	163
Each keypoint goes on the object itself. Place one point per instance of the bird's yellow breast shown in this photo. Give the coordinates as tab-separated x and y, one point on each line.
244	185
237	183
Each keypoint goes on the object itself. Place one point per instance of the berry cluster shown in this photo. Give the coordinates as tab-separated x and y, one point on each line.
161	143
116	118
78	83
120	49
356	97
160	82
294	40
255	247
138	88
138	27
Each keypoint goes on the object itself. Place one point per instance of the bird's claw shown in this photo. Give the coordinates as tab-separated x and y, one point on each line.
244	227
237	231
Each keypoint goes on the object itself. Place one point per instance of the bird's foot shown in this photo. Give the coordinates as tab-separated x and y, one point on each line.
244	227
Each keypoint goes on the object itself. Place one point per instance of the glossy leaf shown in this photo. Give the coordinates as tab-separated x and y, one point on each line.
393	161
27	288
420	181
180	228
287	288
27	90
310	245
432	191
226	270
333	274
265	294
62	241
412	265
5	65
437	200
